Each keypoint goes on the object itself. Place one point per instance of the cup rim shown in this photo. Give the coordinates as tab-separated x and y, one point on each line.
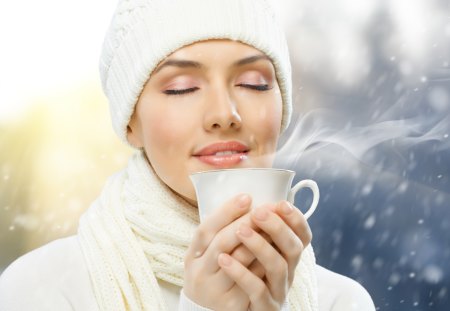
243	169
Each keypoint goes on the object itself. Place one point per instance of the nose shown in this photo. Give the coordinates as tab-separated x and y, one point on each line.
221	112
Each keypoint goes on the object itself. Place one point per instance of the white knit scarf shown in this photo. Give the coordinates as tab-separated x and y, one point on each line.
138	231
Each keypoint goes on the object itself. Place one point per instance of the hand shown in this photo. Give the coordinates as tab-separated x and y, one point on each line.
205	283
290	233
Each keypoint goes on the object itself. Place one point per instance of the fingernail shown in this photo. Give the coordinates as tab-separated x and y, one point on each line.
197	254
243	200
286	208
261	213
224	260
244	231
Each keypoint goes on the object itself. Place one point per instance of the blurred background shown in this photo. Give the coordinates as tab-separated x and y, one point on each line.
371	126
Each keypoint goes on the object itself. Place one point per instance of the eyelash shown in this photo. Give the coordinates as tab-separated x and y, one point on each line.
180	92
262	88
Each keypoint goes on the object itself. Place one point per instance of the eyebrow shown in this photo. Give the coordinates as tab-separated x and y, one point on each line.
182	63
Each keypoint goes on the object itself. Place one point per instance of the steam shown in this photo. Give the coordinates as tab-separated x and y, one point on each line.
392	57
320	129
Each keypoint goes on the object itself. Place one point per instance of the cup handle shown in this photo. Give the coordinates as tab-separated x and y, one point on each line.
307	183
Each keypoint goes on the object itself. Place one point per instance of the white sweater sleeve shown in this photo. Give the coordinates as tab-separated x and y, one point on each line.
285	306
22	289
188	305
52	277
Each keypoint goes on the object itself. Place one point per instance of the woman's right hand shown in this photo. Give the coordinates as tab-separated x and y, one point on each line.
204	282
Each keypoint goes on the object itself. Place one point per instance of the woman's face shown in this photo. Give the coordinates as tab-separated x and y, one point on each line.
210	105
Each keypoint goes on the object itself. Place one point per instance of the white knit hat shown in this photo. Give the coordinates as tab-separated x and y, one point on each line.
143	32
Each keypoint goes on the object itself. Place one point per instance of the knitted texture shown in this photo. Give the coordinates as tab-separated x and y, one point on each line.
138	231
144	32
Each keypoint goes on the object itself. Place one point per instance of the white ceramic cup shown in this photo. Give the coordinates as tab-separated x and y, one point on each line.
264	185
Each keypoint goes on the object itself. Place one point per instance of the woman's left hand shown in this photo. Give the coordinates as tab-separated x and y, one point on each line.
289	232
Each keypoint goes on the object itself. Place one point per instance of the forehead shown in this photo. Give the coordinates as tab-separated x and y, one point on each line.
215	50
209	53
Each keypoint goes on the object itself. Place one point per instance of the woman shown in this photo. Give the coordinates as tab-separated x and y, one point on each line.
193	85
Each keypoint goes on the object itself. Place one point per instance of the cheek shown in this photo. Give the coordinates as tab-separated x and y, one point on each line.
163	136
266	122
169	123
168	146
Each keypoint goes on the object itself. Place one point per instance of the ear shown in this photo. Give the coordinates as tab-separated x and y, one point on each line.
133	133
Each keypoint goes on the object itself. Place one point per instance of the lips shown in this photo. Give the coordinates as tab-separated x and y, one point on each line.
223	154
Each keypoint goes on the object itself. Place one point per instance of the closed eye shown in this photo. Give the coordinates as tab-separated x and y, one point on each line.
259	87
180	92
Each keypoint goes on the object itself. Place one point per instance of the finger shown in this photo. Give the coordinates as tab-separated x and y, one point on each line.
257	269
227	284
274	264
244	255
283	237
252	285
294	218
212	224
225	241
